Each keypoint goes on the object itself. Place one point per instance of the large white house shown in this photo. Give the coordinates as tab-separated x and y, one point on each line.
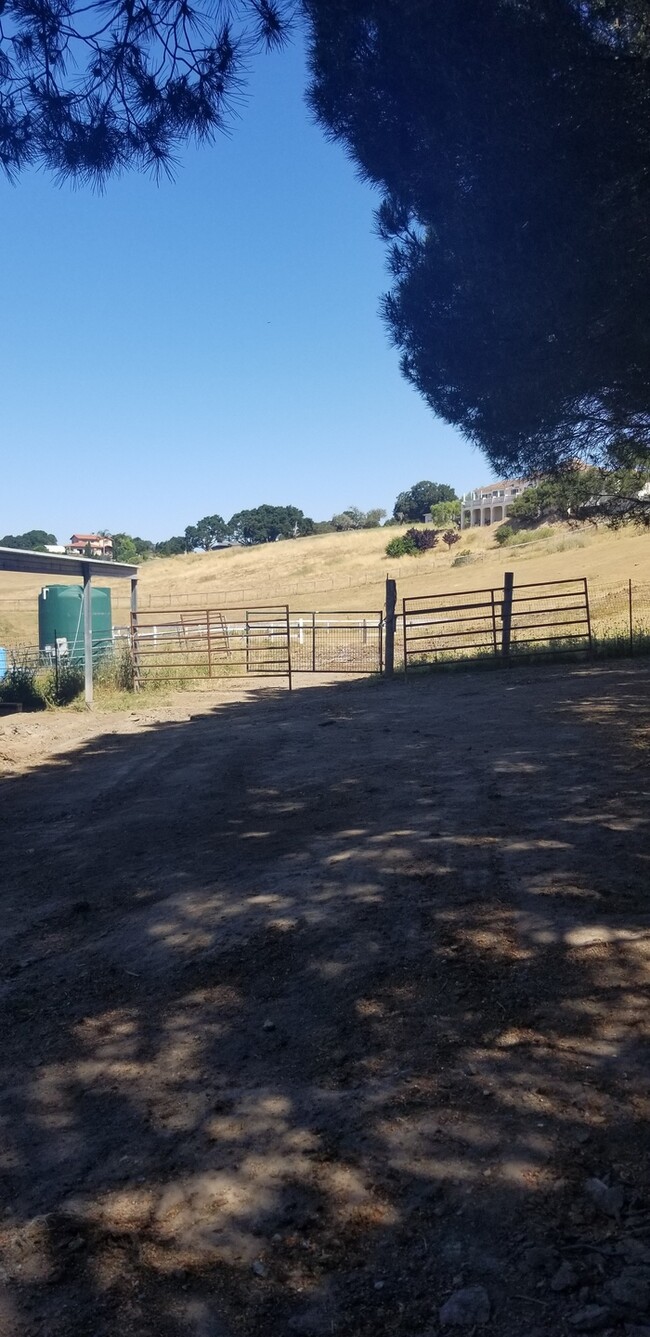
489	505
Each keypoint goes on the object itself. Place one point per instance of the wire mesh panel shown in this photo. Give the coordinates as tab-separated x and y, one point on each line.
198	646
462	625
553	615
331	642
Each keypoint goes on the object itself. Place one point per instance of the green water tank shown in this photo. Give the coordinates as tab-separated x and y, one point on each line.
60	617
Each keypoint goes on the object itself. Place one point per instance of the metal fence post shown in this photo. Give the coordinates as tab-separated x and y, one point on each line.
288	627
313	642
631	617
88	635
391	604
588	612
506	616
135	647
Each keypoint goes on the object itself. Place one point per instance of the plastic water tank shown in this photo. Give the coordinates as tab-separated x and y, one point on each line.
60	617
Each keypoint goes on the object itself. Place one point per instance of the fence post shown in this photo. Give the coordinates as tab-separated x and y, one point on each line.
631	617
135	640
588	611
88	634
313	642
391	604
506	619
288	626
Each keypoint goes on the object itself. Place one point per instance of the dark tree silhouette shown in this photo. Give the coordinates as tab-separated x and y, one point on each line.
511	145
510	142
89	88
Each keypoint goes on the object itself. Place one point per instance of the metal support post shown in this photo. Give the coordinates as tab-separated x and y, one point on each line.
391	604
506	617
88	636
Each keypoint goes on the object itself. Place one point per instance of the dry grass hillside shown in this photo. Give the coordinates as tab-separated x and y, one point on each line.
348	571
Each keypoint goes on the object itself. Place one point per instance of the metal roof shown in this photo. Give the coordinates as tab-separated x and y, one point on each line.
52	564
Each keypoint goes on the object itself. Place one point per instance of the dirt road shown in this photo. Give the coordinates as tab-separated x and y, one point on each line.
321	1009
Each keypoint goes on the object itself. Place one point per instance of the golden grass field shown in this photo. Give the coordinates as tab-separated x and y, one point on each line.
348	571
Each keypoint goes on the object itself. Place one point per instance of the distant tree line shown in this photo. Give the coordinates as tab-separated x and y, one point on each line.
266	524
35	540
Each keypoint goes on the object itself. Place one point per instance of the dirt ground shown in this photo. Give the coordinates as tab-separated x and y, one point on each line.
320	1009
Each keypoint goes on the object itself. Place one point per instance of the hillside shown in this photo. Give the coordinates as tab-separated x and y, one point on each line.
348	571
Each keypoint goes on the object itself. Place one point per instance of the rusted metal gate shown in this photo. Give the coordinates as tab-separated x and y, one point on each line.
462	625
337	642
550	616
499	623
203	646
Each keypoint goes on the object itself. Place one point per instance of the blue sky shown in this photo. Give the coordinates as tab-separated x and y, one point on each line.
178	349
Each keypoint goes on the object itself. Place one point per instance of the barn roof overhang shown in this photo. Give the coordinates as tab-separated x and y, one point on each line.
53	564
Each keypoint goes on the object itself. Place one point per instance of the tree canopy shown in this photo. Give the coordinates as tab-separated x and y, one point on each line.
128	548
510	143
265	524
419	500
584	494
89	88
35	540
206	533
353	518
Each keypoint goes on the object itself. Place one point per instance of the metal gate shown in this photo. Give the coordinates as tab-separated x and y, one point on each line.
202	646
501	623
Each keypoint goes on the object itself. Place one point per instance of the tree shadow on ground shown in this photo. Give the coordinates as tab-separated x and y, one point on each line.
319	1008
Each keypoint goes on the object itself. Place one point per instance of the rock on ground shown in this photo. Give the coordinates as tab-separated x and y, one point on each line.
466	1308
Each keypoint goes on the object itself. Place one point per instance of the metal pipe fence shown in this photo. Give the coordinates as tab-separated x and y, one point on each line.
497	622
219	641
199	645
507	622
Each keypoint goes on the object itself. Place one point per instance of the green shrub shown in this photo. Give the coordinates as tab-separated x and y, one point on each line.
401	547
59	686
504	535
19	686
